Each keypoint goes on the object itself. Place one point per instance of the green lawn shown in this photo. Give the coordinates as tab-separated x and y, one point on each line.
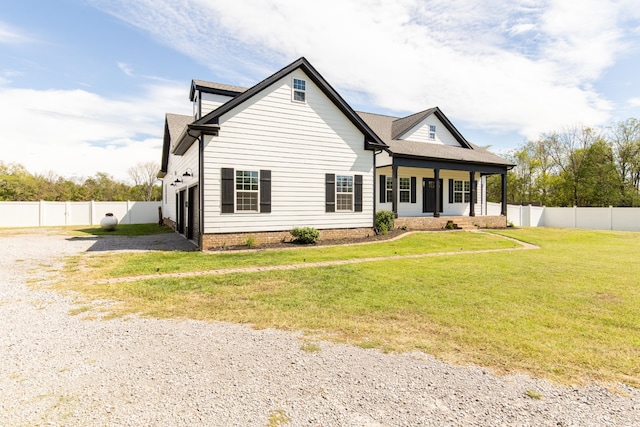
567	312
124	265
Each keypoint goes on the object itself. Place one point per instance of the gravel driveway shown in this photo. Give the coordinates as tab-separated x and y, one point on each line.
60	370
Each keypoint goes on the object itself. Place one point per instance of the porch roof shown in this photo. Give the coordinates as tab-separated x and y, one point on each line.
384	126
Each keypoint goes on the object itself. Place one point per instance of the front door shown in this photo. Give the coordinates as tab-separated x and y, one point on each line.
429	195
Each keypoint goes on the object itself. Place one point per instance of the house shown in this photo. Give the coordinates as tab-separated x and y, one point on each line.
291	152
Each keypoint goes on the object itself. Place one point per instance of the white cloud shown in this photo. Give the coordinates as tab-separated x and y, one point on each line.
77	133
527	66
9	35
125	68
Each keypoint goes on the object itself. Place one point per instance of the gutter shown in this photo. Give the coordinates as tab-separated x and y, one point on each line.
190	134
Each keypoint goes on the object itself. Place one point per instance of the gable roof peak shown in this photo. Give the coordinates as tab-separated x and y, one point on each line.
372	140
403	125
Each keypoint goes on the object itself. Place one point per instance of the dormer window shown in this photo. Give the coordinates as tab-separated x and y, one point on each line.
299	90
432	132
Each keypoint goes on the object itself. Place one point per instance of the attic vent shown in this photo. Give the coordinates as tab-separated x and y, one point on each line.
299	90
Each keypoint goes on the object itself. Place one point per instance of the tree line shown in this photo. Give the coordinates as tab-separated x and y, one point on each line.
18	184
578	166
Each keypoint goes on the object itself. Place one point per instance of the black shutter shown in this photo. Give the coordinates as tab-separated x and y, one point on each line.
357	193
265	191
330	192
383	189
227	190
413	189
450	191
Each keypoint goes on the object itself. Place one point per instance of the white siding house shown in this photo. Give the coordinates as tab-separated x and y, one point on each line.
290	152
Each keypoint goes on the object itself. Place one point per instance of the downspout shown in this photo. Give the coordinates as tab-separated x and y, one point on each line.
201	191
375	199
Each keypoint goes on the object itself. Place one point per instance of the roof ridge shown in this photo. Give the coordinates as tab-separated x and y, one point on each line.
377	114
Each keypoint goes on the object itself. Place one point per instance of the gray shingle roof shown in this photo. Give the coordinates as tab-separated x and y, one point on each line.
401	126
219	86
384	127
176	124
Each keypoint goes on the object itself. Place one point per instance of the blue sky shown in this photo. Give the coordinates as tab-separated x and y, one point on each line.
85	84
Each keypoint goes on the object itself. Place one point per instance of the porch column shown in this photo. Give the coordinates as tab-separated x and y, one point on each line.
472	193
394	190
436	177
503	210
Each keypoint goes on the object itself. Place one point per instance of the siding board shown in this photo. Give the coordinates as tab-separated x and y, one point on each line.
300	144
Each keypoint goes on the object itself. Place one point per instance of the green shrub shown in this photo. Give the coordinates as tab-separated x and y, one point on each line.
305	234
250	241
384	221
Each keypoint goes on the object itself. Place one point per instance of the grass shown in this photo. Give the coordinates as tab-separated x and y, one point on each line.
124	230
567	312
126	265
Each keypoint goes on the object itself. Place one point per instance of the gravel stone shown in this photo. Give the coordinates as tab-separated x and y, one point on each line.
62	370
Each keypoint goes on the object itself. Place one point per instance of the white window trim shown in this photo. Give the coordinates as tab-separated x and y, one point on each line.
388	189
352	193
465	193
405	190
236	191
302	91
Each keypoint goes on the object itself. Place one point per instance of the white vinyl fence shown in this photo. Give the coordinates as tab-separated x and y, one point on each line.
43	214
623	219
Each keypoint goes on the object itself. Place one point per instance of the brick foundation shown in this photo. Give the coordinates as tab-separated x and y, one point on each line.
464	222
221	240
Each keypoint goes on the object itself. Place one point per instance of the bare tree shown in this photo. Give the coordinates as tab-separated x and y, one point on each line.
145	176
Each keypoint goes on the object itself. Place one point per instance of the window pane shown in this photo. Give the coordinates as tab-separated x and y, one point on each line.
467	186
405	183
299	84
344	201
457	197
344	184
466	197
404	196
246	201
298	96
457	185
246	190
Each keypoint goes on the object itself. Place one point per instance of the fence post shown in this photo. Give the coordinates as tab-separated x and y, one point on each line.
575	216
67	212
129	211
41	213
611	216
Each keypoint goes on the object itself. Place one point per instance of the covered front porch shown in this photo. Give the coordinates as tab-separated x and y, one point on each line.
429	193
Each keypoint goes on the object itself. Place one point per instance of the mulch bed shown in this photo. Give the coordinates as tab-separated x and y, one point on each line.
322	242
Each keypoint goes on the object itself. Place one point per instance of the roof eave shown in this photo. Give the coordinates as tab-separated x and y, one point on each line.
461	161
190	134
